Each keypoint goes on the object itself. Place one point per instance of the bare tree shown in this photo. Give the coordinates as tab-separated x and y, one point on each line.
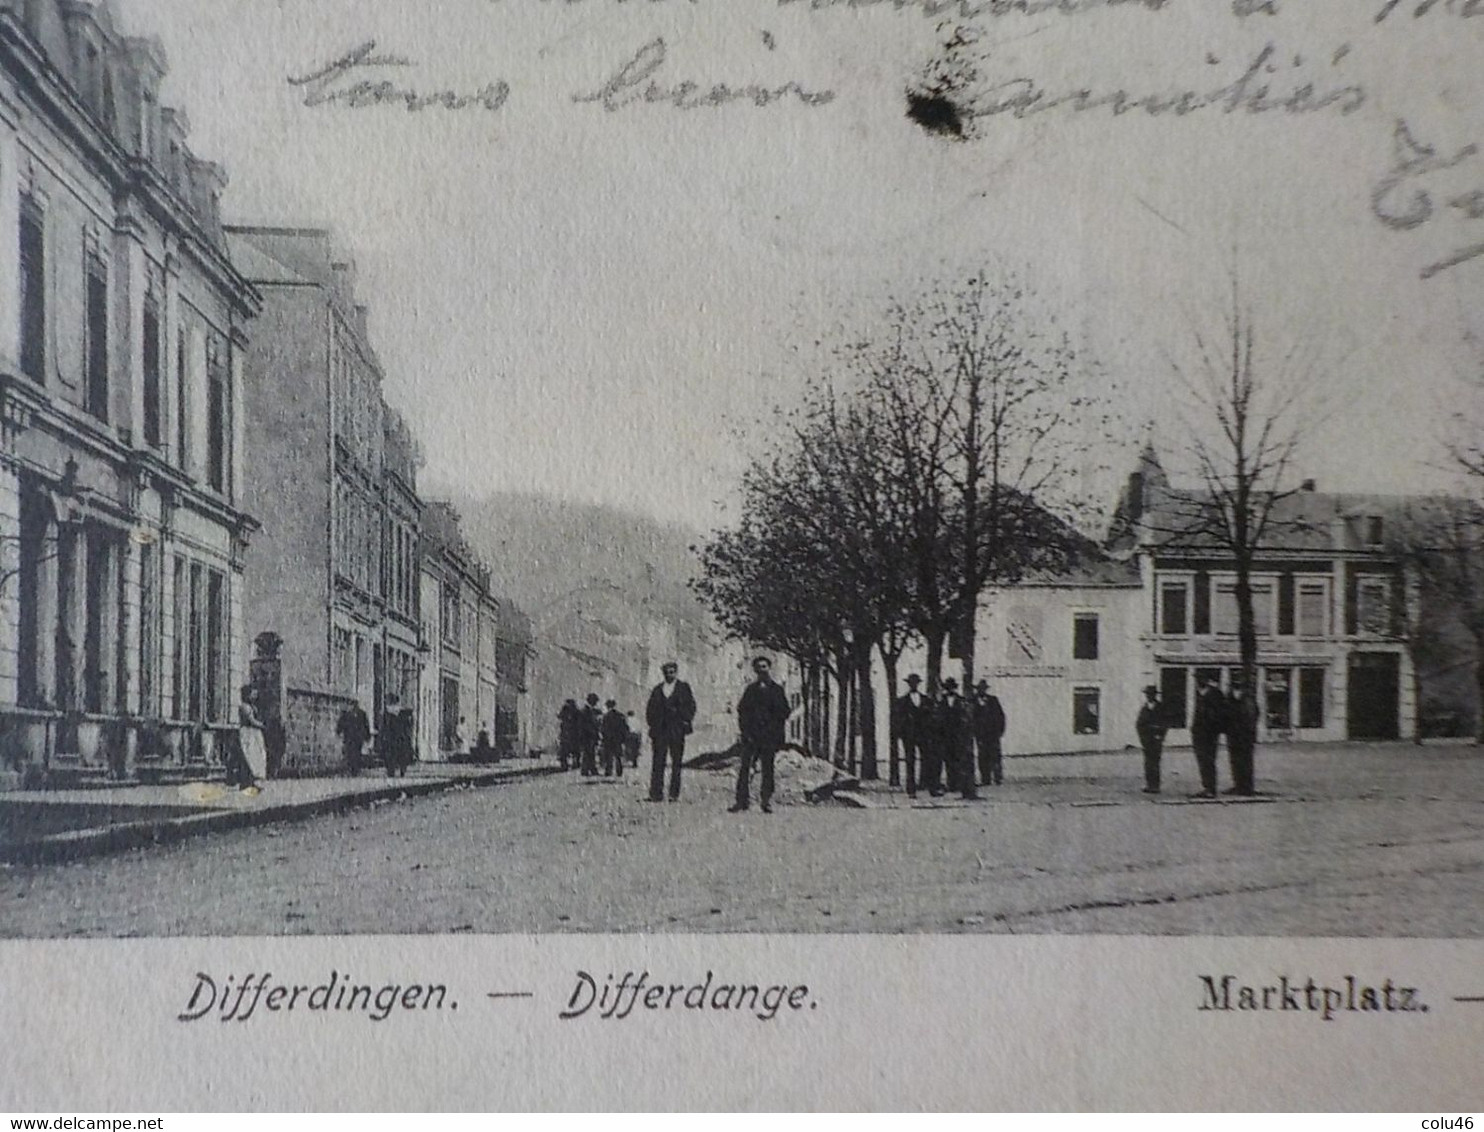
1246	418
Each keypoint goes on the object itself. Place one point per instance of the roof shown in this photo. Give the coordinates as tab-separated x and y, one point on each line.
1303	521
257	266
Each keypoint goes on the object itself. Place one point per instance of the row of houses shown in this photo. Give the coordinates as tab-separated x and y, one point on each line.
196	455
1336	604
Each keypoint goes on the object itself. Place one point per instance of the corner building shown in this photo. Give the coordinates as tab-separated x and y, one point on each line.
122	334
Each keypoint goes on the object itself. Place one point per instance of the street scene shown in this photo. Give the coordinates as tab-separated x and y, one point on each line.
541	546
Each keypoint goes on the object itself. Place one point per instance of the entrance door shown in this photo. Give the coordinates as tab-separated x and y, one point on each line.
1375	683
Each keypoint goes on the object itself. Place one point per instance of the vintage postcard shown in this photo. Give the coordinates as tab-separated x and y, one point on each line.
741	554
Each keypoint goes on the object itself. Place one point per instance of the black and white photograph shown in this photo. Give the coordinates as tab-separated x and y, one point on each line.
602	469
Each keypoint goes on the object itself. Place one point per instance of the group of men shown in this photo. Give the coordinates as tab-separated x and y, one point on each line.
591	736
1216	714
395	744
669	717
940	736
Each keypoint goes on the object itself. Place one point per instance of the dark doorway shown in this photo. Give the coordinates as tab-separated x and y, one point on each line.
1374	686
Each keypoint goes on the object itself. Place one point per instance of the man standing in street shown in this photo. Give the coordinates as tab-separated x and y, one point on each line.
569	725
762	715
670	716
1205	731
589	732
956	742
354	729
913	723
1151	726
1241	738
614	734
989	735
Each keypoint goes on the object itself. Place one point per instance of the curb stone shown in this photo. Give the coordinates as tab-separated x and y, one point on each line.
78	844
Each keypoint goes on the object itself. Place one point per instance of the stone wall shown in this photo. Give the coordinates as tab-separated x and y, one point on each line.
312	747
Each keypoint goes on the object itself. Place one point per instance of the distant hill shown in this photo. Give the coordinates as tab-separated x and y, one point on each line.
540	549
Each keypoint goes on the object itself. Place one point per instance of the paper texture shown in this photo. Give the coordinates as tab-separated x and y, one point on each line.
382	380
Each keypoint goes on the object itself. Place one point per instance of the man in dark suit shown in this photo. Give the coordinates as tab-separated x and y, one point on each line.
1206	726
956	742
989	735
762	715
589	732
670	717
569	725
1151	727
1241	738
914	717
615	732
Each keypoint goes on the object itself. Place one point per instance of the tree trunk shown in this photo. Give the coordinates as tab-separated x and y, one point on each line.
842	710
1416	703
852	734
889	663
934	640
870	769
970	642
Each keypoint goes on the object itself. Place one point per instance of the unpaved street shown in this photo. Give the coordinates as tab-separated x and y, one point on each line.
1354	840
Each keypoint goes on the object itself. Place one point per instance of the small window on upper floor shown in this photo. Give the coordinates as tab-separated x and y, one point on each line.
1374	530
1085	636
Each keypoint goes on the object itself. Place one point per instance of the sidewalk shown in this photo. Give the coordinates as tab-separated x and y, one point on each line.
50	826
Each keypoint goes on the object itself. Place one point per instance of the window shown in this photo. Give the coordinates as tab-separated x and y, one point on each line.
182	401
153	348
1085	636
1277	701
1174	695
33	291
1227	621
95	332
1373	605
1285	605
1172	614
1086	711
196	644
216	647
1311	698
149	620
1200	605
218	416
181	651
1313	609
1374	530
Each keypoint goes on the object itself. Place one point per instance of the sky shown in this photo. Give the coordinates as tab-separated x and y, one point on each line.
600	303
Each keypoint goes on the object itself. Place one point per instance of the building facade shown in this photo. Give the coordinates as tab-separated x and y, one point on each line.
123	325
1332	602
461	660
332	472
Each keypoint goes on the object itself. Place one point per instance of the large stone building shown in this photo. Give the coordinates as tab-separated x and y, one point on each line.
123	522
331	472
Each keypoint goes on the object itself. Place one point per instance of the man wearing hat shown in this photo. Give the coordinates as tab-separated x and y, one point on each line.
914	714
955	743
762	716
1151	726
1206	728
1241	737
615	732
589	732
989	732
